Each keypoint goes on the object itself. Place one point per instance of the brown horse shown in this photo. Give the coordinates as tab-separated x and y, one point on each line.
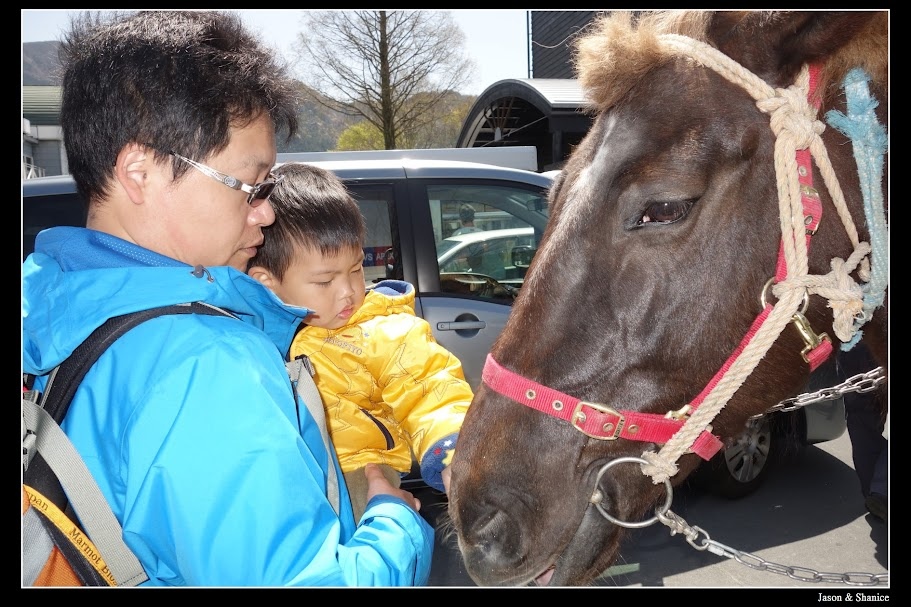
704	235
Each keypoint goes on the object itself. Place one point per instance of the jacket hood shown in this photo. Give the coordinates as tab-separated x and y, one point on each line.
114	277
387	297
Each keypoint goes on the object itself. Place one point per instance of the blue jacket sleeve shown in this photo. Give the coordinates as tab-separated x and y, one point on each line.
221	485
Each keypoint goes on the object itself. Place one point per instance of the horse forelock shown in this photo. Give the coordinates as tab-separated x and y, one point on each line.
621	49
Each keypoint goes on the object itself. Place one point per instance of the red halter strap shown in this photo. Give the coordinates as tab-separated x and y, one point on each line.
592	419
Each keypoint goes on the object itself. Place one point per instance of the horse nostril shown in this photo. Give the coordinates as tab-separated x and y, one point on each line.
492	538
486	526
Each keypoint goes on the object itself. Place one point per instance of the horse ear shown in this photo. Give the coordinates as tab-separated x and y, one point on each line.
789	38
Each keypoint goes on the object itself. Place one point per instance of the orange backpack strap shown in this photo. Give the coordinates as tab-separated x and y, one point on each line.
68	556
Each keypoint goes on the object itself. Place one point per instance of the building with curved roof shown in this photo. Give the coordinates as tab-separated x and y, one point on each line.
546	113
545	110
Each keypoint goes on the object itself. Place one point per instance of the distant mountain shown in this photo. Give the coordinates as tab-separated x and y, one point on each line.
40	64
320	126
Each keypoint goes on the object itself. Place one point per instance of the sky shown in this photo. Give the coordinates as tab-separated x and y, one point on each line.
496	39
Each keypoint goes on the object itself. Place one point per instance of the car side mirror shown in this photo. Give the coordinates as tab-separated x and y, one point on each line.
522	255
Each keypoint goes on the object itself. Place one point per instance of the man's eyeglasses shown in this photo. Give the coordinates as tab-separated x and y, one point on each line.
257	193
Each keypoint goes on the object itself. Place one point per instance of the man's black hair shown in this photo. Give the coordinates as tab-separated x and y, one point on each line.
174	80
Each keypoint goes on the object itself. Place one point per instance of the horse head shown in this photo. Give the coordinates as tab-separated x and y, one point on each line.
670	251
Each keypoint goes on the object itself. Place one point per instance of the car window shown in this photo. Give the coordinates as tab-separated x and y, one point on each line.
381	242
447	244
486	257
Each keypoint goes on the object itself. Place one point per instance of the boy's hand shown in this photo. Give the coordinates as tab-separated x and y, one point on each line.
377	484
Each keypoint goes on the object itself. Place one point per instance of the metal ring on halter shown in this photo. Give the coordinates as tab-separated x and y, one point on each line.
635	460
765	289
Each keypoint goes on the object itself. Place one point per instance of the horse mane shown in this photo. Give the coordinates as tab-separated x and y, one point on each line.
869	50
621	48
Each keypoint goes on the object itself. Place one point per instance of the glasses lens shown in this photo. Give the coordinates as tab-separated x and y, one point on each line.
261	192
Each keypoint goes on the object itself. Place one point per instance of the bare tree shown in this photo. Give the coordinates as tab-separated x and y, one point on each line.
450	114
393	68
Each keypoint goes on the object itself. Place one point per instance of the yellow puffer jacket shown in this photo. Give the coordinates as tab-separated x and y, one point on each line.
387	385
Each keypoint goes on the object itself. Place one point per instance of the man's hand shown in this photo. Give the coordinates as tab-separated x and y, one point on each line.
377	484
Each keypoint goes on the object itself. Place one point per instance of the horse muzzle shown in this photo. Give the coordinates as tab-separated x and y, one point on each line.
502	548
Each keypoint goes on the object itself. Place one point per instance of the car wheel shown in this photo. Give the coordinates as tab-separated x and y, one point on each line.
740	469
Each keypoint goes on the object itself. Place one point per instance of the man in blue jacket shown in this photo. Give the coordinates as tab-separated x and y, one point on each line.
188	422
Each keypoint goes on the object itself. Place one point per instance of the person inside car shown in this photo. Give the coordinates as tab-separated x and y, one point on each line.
389	388
466	219
189	423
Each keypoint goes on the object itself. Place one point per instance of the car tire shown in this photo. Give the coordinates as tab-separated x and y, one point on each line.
740	469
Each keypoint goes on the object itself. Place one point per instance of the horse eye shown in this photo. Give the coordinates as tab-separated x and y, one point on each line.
665	212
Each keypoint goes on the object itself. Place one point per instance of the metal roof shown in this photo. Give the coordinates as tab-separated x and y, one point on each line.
559	93
41	105
546	113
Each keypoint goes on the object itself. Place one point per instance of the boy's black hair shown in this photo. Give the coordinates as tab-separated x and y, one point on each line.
174	80
314	209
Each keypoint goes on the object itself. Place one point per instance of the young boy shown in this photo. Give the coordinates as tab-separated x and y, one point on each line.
389	389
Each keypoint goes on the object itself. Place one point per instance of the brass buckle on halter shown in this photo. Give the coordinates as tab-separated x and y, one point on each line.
681	414
609	428
810	337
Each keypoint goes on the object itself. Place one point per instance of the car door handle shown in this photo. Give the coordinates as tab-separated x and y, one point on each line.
467	325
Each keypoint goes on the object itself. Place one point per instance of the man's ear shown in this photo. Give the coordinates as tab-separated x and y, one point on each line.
132	170
263	275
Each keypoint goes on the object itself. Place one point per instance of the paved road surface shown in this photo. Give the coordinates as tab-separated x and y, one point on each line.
809	514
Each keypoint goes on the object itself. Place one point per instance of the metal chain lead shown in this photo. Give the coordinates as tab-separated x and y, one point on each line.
860	383
802	574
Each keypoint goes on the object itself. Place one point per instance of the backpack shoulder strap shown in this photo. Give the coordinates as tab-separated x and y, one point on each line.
70	373
57	471
301	372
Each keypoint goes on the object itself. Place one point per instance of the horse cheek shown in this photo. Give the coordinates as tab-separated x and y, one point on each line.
472	457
